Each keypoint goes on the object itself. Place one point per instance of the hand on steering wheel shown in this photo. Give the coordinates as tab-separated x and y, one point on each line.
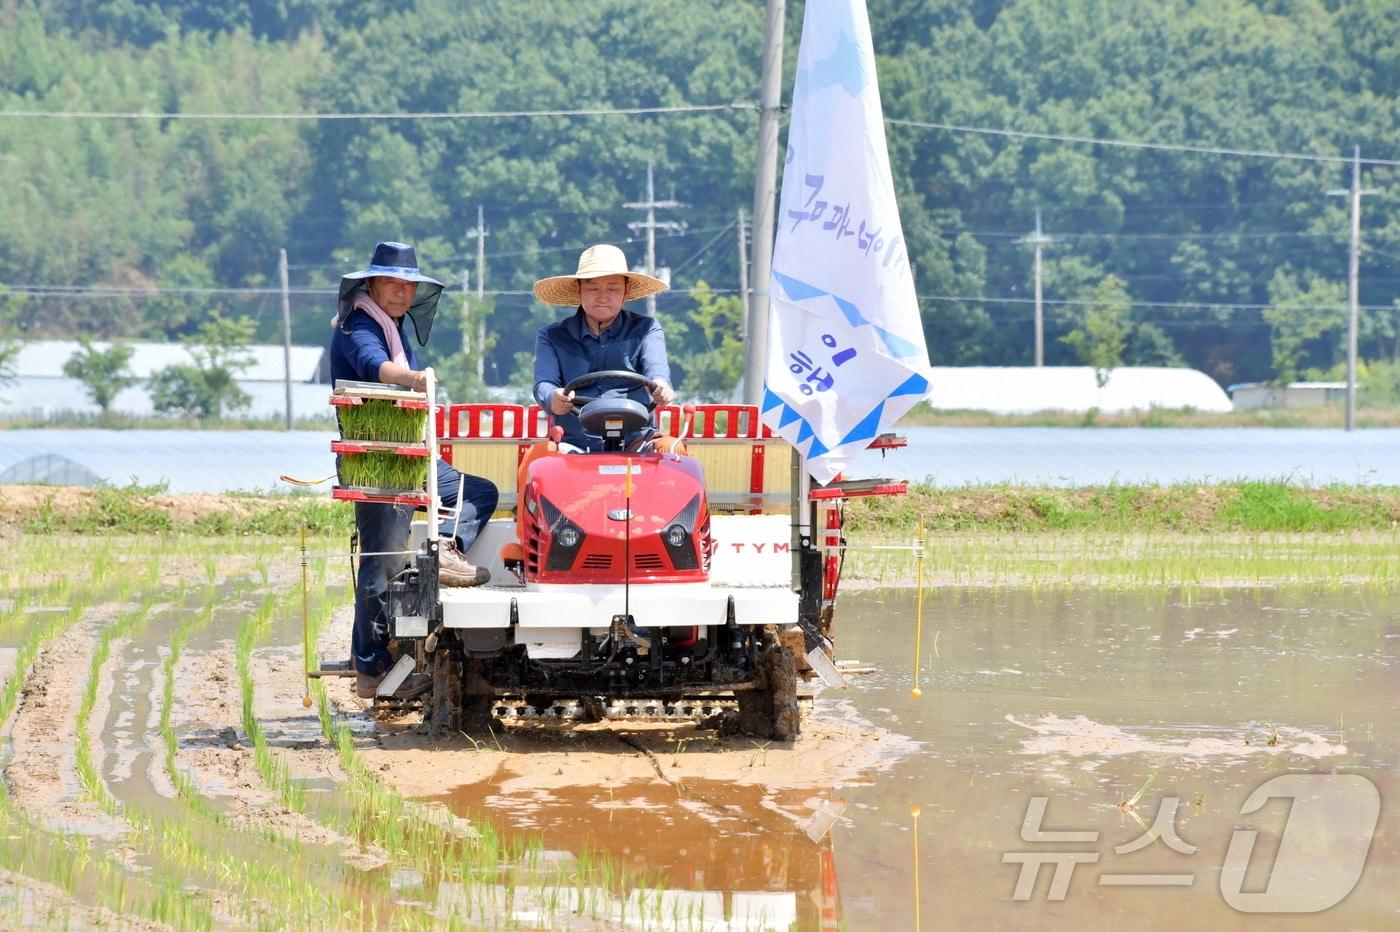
590	378
561	402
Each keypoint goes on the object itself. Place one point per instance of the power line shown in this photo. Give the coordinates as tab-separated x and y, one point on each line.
568	247
1136	144
418	115
65	291
1196	236
1191	305
703	249
1002	234
678	109
101	292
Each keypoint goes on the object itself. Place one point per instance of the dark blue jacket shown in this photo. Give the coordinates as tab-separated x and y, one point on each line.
358	348
567	349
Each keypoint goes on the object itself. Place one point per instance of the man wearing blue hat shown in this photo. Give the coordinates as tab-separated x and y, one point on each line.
369	345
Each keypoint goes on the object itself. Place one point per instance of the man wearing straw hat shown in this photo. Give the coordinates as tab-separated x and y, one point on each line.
369	345
599	336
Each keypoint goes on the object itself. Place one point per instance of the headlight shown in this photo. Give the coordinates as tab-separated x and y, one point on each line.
676	537
567	536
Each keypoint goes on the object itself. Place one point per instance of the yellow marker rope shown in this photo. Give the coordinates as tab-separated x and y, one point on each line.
305	628
916	692
291	480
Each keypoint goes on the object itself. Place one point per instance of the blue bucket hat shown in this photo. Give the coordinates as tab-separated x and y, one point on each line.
396	260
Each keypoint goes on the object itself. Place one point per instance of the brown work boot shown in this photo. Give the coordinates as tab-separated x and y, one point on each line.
454	570
366	686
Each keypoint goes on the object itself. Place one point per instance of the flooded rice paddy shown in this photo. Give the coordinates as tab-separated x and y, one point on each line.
1079	698
1088	755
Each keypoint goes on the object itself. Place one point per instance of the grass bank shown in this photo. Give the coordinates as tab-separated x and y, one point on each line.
1188	508
1231	507
38	509
1231	534
1250	534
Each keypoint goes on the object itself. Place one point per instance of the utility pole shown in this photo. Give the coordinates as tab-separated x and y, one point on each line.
743	274
765	196
466	313
480	234
286	330
1038	240
1353	280
651	225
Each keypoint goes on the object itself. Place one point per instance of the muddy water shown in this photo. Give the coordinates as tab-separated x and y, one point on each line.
1060	705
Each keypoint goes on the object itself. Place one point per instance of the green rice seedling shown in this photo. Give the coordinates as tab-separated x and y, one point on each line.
285	894
184	786
1132	801
60	859
476	743
272	769
381	419
380	470
419	835
87	771
1369	560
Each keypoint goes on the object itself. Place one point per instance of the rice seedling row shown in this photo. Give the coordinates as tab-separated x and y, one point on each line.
1069	560
265	888
170	846
67	860
173	843
477	861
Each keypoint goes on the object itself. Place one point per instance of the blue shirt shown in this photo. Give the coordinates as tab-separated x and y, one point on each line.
358	348
568	349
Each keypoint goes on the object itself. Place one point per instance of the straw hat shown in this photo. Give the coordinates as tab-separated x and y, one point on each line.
596	262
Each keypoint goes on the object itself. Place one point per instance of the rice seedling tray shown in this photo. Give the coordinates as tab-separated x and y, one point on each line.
351	401
379	446
856	488
347	493
382	470
381	420
349	393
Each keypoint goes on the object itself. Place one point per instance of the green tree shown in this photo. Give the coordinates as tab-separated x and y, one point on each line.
1101	339
457	372
195	209
9	352
714	364
104	373
207	388
1306	323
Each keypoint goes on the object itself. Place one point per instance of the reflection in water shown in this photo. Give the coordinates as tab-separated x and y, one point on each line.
718	855
1112	737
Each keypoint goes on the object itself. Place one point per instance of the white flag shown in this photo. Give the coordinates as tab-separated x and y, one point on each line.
846	351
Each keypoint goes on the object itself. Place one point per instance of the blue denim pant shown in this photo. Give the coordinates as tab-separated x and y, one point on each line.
385	528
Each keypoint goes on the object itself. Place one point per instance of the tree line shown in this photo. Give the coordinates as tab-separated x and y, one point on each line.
160	228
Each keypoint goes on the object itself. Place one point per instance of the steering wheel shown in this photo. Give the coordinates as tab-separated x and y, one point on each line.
591	378
607	417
